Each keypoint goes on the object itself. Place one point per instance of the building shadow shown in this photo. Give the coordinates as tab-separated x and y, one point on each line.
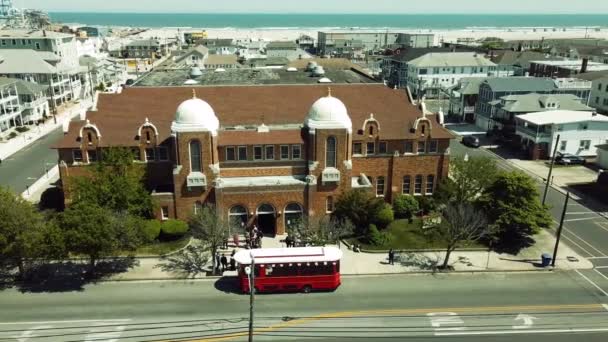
69	276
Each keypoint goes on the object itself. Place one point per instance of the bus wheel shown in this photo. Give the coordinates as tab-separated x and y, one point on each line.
307	289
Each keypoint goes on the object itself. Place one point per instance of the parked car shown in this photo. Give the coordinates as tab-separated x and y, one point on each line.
569	159
471	141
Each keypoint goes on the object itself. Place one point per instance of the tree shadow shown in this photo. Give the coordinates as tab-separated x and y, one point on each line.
52	199
188	263
228	285
421	261
68	276
512	246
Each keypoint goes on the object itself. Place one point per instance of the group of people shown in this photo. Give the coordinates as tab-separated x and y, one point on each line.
222	264
254	238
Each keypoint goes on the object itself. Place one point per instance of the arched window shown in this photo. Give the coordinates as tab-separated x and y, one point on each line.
147	135
330	152
195	156
293	215
238	214
371	130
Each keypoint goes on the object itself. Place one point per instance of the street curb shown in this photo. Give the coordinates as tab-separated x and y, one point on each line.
384	251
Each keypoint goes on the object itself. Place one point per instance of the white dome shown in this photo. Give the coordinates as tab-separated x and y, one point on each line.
328	112
195	115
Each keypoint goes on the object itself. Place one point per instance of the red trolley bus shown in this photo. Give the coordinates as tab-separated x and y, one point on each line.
290	269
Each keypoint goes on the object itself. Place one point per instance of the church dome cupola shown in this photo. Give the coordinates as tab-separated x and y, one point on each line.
330	113
195	115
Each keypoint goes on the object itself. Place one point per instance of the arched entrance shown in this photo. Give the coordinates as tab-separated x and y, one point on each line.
293	215
238	217
266	219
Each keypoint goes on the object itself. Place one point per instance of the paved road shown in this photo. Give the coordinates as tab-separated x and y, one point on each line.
584	229
26	166
457	307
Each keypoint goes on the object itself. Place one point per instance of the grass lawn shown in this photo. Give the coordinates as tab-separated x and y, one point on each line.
160	248
405	236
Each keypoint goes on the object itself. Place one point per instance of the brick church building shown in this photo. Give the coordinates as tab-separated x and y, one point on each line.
266	155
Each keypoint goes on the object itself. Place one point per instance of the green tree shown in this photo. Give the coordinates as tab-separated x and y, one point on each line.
90	231
512	204
405	206
359	207
384	216
24	235
173	229
212	229
151	230
471	177
115	183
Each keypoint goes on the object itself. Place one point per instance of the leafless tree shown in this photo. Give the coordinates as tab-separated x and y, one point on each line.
463	225
211	229
321	231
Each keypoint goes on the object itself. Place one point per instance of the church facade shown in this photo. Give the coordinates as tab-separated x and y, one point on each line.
265	155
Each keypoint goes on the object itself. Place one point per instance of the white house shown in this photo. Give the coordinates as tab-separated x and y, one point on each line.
579	131
602	156
433	73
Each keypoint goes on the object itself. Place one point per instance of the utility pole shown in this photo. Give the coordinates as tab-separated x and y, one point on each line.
559	229
551	169
251	296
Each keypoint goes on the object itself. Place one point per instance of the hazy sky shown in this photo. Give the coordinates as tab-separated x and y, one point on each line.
323	6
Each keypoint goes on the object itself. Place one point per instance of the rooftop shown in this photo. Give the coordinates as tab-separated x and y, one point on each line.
17	34
573	64
592	76
562	117
25	61
247	76
277	45
538	102
451	59
521	58
523	84
288	255
118	116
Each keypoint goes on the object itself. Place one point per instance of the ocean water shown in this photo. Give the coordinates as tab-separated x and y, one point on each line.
430	21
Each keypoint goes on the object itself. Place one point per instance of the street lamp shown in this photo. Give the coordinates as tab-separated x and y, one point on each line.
46	168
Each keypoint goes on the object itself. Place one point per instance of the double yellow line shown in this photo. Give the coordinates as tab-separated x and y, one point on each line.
346	314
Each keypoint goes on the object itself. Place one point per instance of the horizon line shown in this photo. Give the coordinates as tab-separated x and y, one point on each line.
327	14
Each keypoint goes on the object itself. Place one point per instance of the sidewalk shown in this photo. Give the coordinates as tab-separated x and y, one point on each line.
10	147
377	263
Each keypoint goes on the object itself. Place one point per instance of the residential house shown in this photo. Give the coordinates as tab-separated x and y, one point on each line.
224	46
415	40
508	107
463	98
21	103
62	45
599	89
432	74
567	68
494	88
306	43
287	49
148	48
602	155
517	63
579	132
10	108
394	68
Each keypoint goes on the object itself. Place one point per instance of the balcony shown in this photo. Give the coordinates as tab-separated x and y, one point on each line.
469	110
533	133
196	180
330	175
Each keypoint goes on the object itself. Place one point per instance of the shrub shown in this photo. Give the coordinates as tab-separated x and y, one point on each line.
426	204
22	129
151	230
405	206
359	207
376	237
173	229
12	135
384	216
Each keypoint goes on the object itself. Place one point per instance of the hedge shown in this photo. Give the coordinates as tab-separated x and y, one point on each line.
173	229
151	230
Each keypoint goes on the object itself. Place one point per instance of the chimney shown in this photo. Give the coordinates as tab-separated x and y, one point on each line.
584	65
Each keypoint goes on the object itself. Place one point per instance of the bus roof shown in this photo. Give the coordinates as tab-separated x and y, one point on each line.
288	255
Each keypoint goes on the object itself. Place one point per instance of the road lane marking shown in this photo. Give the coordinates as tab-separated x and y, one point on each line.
600	273
27	334
566	229
579	246
600	267
594	258
581	219
581	213
507	332
592	283
76	321
528	321
605	306
439	319
347	314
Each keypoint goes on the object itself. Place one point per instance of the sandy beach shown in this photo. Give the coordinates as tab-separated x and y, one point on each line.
519	33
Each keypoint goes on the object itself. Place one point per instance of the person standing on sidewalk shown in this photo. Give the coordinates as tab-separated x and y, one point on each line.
224	262
391	257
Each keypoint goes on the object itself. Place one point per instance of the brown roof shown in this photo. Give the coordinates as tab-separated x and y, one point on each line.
221	59
119	116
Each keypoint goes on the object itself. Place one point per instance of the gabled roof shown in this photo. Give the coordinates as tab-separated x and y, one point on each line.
451	59
523	84
408	54
538	102
520	58
469	85
562	117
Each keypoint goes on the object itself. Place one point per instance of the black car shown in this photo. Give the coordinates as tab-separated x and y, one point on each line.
471	141
569	159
